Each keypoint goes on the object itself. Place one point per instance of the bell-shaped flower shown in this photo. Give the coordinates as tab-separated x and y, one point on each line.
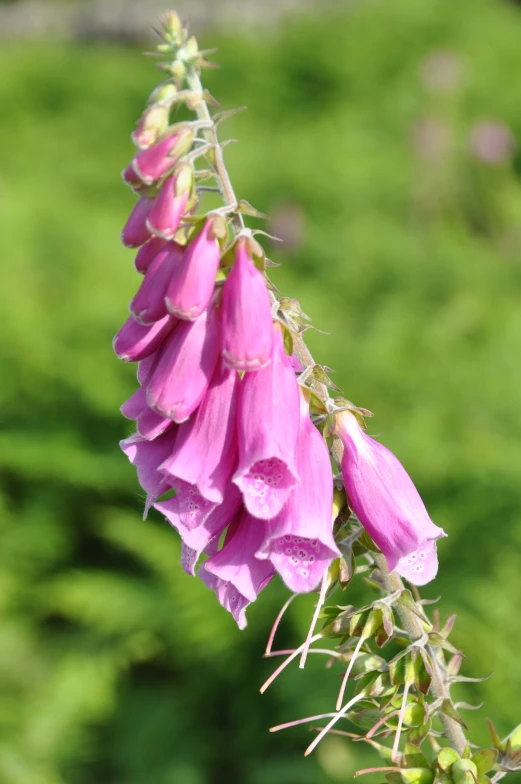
147	456
236	566
185	366
135	232
170	203
386	502
148	304
198	539
299	541
205	450
136	341
268	425
147	253
192	282
227	595
159	158
246	314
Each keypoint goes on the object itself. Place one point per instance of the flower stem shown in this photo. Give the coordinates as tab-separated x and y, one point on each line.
210	133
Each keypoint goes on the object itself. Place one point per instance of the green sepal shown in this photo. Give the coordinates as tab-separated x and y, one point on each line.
405	599
417	776
449	710
496	740
417	735
447	757
464	771
346	570
413	757
397	669
422	677
485	759
438	641
288	342
365	540
357	623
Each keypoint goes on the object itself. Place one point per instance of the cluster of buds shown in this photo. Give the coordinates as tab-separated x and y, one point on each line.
227	416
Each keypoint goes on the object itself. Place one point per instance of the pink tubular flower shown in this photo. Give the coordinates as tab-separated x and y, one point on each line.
147	456
299	541
387	503
246	315
148	305
147	253
192	282
205	450
157	160
240	575
135	231
268	424
135	341
170	203
198	539
185	366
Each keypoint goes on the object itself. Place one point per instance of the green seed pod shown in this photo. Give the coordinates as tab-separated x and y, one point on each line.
463	772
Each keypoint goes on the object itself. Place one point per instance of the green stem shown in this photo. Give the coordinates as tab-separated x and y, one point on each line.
210	134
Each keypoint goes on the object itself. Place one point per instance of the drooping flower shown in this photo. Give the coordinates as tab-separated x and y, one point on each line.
185	366
299	541
205	450
147	456
149	424
170	203
386	502
192	282
135	231
268	424
238	576
136	341
149	303
158	159
246	314
198	539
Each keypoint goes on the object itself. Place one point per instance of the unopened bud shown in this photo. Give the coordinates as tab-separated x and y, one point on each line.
163	92
151	125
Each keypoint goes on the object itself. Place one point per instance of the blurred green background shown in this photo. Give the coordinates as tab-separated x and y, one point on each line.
381	136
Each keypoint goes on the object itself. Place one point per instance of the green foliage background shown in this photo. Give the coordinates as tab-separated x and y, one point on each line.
116	667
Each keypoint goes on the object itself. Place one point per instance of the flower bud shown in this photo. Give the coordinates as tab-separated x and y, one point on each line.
387	503
299	541
135	231
205	450
136	341
192	282
268	425
185	366
147	253
151	125
149	303
246	315
166	91
159	158
170	203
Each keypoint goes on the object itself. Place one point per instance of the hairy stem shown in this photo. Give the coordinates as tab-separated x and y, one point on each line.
414	629
222	176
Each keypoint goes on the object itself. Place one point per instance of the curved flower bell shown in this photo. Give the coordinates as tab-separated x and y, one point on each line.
246	314
386	502
268	425
299	541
